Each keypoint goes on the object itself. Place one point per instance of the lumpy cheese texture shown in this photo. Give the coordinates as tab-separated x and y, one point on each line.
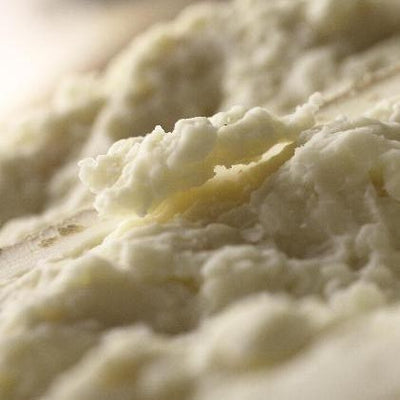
272	53
254	251
139	173
296	284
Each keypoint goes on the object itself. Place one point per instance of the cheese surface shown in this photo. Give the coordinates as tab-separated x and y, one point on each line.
254	252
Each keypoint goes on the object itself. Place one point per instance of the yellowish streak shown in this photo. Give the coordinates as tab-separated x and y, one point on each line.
229	188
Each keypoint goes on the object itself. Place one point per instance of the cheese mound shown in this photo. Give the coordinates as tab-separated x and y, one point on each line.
139	173
297	283
270	53
253	252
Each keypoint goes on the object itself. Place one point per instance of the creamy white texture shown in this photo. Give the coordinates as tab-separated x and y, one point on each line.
256	255
139	173
248	53
238	303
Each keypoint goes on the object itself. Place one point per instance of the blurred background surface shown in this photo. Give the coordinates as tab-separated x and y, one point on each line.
43	40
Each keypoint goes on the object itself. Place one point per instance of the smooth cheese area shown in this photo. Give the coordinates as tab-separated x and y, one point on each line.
229	188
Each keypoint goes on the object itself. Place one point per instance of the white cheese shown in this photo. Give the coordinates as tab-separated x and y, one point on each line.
257	255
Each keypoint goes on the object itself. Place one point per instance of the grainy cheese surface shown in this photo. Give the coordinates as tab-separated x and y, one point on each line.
254	252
